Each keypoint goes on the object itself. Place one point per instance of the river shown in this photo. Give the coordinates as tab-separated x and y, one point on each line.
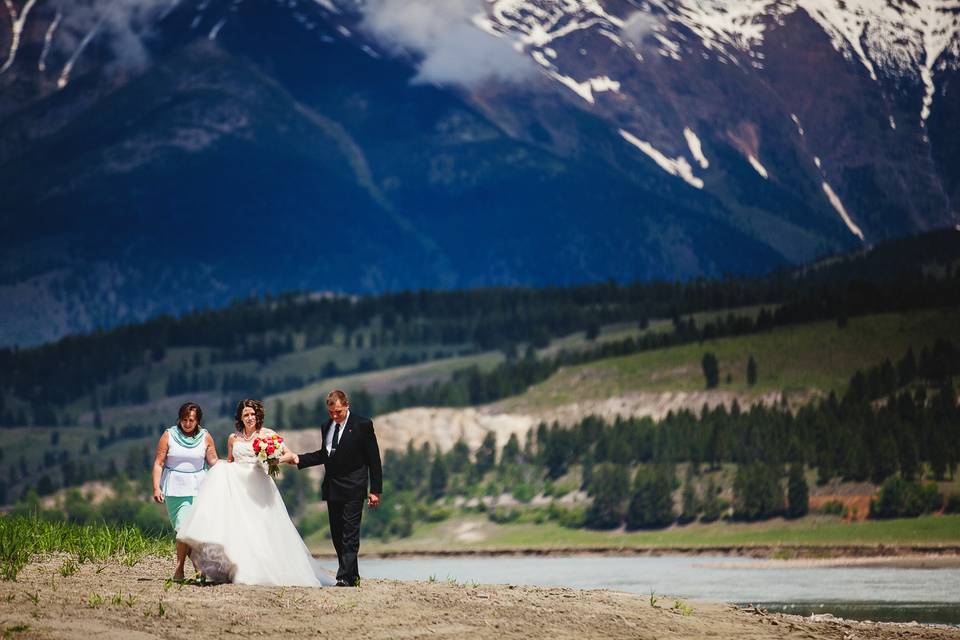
874	593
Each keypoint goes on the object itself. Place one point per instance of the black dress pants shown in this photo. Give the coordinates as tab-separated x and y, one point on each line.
345	532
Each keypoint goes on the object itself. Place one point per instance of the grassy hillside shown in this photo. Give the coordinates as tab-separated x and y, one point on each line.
818	356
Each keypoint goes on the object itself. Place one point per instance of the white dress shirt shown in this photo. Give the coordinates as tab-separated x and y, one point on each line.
328	442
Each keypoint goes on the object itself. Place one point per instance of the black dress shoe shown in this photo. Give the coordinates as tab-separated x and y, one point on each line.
341	583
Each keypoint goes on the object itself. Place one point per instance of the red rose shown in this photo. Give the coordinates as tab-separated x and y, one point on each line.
270	449
256	446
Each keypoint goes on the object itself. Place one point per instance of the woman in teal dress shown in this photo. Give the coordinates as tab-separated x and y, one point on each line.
184	453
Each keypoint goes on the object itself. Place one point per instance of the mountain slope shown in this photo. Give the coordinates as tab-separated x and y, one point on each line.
183	154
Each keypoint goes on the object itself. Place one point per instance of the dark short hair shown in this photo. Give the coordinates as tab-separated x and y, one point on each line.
258	411
185	410
337	396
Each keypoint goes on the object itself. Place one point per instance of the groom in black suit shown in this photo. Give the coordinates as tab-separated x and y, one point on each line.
351	456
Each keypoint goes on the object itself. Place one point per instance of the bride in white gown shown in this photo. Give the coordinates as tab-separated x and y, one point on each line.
239	529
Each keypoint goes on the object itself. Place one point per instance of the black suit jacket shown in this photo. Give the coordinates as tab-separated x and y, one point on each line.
356	460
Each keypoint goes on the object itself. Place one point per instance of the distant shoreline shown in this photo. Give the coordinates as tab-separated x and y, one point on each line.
905	556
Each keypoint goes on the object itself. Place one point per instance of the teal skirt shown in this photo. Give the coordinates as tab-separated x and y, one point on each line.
178	507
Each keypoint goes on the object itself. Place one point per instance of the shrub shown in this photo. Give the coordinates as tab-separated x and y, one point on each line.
524	492
901	498
951	503
503	515
535	515
438	514
571	518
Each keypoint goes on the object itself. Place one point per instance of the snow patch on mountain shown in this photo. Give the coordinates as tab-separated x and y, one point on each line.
759	168
68	67
895	37
47	40
696	149
674	166
17	21
838	206
586	88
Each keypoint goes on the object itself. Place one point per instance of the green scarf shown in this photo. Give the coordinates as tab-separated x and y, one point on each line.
189	442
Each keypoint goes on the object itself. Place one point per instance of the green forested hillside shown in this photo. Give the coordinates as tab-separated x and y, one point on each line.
868	367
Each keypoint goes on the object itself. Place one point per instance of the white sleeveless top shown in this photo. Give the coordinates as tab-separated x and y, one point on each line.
185	466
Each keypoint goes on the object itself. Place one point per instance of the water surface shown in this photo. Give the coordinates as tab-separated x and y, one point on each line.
875	593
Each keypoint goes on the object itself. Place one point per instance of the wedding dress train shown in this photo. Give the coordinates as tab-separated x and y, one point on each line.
239	529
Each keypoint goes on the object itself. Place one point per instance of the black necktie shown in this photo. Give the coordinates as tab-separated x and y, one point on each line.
336	438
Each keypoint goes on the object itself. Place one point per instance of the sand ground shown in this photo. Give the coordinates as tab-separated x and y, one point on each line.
114	601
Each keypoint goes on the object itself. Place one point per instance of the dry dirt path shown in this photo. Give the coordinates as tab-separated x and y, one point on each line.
42	603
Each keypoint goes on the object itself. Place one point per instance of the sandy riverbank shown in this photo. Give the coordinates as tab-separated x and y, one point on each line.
112	601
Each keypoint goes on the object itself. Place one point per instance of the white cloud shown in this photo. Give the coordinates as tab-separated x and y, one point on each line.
638	26
122	25
452	50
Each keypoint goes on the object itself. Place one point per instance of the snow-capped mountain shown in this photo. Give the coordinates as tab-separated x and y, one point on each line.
370	144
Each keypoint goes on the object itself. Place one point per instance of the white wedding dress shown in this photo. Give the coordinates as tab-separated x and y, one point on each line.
239	529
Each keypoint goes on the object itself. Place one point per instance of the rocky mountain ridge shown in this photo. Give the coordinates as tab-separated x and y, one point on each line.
200	150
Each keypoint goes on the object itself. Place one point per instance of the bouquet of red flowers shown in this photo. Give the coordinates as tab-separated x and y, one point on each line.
268	450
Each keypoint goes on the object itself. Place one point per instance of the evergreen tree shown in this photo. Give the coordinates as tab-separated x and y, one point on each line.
711	370
511	451
652	503
586	469
757	492
610	487
712	507
45	486
907	368
458	459
438	477
279	415
486	455
558	451
798	494
691	506
362	401
885	457
751	371
593	330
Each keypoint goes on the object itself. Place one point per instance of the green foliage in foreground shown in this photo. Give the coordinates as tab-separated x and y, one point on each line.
23	537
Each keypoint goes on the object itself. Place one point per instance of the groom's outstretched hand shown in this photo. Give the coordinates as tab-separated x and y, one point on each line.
289	457
373	500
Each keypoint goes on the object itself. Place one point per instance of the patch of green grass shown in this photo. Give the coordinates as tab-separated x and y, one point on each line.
9	632
23	537
68	568
682	608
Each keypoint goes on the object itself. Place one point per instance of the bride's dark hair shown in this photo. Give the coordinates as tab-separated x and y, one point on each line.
257	407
